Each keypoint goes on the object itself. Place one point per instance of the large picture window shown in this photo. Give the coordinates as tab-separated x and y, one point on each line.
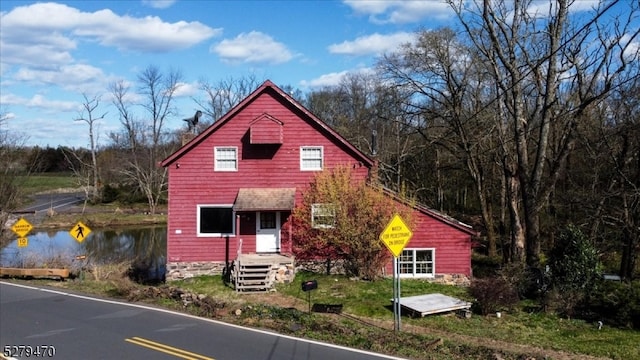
417	263
311	158
226	158
215	220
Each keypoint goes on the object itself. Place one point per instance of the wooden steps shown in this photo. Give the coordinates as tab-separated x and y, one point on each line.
257	272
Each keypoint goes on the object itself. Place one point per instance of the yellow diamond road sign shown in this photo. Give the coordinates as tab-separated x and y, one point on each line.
396	235
21	227
79	231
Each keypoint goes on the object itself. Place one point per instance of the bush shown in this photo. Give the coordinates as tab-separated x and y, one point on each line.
529	282
125	194
614	303
575	270
485	266
493	294
573	262
109	194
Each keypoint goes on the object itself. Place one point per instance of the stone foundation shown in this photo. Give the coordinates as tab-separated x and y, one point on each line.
185	270
452	279
336	267
285	273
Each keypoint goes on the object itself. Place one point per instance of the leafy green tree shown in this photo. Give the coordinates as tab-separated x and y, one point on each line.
341	218
574	266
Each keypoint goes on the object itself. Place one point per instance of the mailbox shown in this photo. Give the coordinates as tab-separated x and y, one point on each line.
309	285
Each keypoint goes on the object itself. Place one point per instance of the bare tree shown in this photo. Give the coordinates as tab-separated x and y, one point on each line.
445	86
549	70
611	191
224	95
11	166
87	115
144	135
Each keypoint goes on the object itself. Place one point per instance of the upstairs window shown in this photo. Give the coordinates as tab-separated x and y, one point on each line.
226	158
311	158
323	216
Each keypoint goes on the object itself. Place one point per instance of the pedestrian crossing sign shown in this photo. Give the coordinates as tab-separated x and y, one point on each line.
79	231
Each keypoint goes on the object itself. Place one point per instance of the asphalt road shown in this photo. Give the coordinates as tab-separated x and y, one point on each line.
81	327
56	201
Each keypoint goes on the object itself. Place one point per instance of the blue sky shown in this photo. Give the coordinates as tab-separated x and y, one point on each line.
53	52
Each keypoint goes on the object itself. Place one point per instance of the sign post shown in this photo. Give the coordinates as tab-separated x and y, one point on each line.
395	236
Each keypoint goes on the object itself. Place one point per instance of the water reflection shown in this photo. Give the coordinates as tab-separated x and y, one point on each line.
145	248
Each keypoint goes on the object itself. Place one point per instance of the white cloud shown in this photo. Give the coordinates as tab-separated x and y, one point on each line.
375	44
325	80
401	11
333	79
632	51
8	116
52	106
252	47
68	76
159	4
40	102
50	28
43	54
186	89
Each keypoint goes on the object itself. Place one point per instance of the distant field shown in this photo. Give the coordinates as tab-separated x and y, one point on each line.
34	184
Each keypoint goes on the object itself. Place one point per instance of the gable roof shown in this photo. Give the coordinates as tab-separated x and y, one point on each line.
305	114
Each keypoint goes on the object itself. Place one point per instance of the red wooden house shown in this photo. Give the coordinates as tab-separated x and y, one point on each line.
233	186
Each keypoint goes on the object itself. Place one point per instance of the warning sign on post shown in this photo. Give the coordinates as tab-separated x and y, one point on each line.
396	235
79	231
22	227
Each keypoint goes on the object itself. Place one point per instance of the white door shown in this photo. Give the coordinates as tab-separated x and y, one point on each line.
268	231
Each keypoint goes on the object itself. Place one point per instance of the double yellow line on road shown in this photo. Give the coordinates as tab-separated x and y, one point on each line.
167	349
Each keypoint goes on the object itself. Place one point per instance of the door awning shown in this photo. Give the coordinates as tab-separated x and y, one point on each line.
259	199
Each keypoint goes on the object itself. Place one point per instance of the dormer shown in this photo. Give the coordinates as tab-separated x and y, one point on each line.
266	129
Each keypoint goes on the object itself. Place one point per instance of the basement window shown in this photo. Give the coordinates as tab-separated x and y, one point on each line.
417	263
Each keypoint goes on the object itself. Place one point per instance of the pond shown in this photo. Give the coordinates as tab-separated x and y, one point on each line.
144	247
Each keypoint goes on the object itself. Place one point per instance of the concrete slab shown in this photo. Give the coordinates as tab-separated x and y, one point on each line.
431	304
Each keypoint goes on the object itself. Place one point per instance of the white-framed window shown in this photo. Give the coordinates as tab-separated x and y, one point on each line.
311	158
417	263
216	220
226	158
323	216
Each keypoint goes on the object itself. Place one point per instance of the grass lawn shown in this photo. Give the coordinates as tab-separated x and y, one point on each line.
34	184
516	334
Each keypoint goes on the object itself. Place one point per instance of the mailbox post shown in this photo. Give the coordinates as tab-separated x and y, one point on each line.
307	286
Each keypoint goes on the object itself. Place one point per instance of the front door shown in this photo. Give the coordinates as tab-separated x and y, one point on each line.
268	231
